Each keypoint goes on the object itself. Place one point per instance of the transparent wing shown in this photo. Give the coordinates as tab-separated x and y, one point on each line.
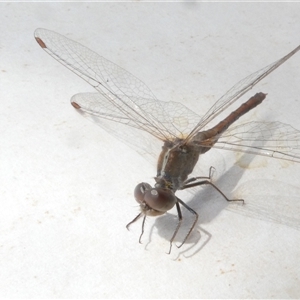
131	97
100	106
100	110
273	139
237	91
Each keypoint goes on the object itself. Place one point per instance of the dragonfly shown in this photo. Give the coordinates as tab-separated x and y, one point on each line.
123	99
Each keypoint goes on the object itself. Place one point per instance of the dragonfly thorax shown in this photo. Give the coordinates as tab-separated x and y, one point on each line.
175	163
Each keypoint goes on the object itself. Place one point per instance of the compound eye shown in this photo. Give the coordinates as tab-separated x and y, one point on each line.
160	199
140	190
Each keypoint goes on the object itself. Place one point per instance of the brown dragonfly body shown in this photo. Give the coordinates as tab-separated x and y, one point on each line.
124	99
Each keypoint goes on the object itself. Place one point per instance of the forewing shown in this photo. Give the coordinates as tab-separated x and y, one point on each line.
98	108
125	92
237	91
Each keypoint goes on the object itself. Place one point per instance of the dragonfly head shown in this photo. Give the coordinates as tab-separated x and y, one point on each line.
154	201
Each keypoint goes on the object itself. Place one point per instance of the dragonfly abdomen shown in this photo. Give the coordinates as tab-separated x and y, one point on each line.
209	137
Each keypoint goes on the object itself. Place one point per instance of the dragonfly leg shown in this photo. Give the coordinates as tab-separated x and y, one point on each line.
211	171
178	225
193	225
143	224
186	186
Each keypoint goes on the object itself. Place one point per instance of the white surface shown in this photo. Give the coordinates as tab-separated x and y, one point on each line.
66	185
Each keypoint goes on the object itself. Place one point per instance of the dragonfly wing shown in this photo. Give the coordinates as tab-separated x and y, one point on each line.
126	92
237	91
99	109
100	106
273	139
